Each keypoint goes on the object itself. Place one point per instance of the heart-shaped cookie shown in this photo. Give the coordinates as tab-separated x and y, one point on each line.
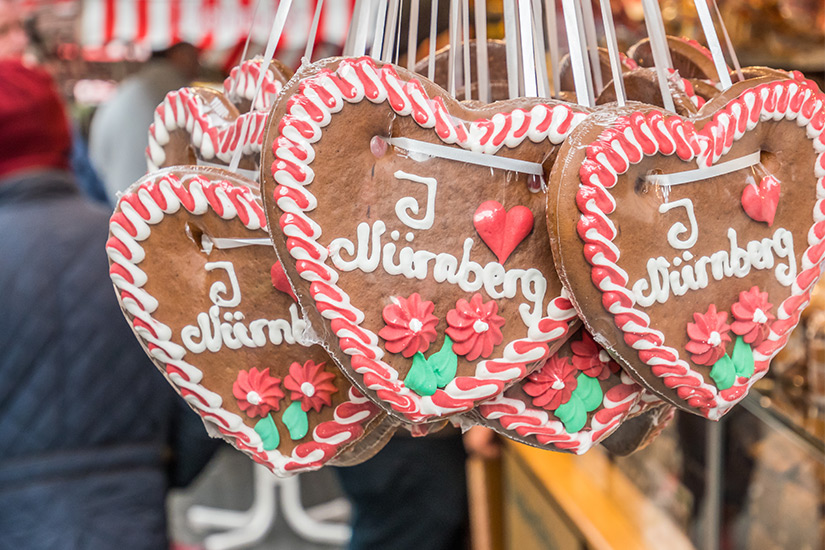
379	240
670	272
191	262
575	400
201	124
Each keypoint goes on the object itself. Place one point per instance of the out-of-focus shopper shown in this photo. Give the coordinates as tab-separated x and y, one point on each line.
120	128
91	436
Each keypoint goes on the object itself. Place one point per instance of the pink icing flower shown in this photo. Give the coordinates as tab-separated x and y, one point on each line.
257	392
590	358
410	325
708	336
752	314
474	327
311	385
553	384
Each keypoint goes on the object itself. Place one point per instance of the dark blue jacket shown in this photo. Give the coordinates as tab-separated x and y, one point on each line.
87	424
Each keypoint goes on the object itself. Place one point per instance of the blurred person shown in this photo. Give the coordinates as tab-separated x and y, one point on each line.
120	128
13	39
91	436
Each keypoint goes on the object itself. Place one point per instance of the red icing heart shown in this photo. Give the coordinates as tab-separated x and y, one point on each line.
280	281
501	230
760	202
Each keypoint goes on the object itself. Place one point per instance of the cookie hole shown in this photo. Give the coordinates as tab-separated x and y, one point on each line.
769	161
199	238
646	181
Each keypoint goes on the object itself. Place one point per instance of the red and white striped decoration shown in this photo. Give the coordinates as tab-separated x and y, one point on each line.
208	24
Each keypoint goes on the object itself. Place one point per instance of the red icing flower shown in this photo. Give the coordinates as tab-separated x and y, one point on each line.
311	385
474	327
590	358
708	336
752	314
552	385
410	325
257	392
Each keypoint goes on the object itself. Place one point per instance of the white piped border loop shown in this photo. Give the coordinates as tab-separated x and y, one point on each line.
708	172
469	157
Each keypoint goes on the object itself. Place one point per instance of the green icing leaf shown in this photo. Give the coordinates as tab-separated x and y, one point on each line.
743	358
421	379
444	363
269	432
296	421
589	391
572	414
723	372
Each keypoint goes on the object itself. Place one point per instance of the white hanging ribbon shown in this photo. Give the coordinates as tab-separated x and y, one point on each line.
412	35
553	39
591	96
313	31
720	169
360	45
527	54
510	48
539	51
469	157
465	47
591	40
482	61
378	38
226	243
731	52
713	43
659	48
433	39
577	60
269	54
613	51
451	54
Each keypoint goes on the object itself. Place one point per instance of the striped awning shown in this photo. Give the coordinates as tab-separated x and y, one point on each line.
209	24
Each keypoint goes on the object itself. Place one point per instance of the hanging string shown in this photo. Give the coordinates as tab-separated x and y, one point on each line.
732	52
591	96
451	56
378	38
360	46
713	43
527	53
659	48
412	35
482	63
465	46
592	44
433	37
613	51
312	31
390	31
539	51
397	47
553	38
510	41
249	34
269	54
353	27
577	60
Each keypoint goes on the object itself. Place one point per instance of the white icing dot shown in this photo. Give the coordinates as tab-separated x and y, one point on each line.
687	256
480	326
759	316
395	235
558	385
227	317
715	338
604	357
308	389
254	398
238	316
677	261
416	326
409	236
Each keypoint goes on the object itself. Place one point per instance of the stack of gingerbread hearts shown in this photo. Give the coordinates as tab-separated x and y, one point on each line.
563	275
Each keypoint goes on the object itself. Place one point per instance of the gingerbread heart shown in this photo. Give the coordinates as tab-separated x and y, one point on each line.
664	264
572	402
197	124
379	240
690	58
190	259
